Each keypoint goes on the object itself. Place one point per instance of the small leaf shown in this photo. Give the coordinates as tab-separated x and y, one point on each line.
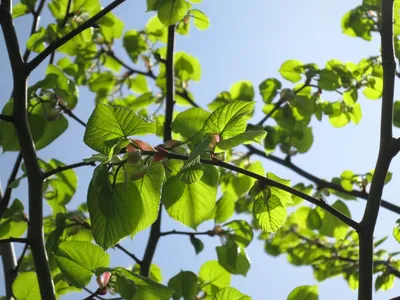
200	19
234	259
242	90
270	213
240	232
213	277
291	70
230	293
269	89
197	244
248	137
171	12
304	292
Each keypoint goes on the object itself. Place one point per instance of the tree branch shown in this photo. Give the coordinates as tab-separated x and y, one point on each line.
155	230
269	182
14	240
385	155
6	118
5	200
34	174
54	46
69	112
208	232
131	255
35	26
68	167
318	181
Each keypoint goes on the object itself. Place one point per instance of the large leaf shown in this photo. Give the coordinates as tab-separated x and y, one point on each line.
125	208
191	204
213	277
184	284
229	120
26	286
78	260
107	125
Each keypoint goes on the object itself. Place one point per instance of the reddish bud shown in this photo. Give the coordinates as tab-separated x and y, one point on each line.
103	280
142	145
160	154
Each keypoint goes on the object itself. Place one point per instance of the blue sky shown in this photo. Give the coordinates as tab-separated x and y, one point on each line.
247	40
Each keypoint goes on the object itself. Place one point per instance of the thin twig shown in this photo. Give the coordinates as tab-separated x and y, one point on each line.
131	255
71	114
318	181
6	118
209	232
14	240
54	46
68	167
21	258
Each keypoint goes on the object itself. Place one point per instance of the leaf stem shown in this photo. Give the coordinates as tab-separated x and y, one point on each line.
68	167
208	232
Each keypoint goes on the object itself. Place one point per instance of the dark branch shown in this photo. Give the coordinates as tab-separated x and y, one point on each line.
318	181
6	118
14	240
69	112
209	232
169	110
21	258
385	155
131	255
269	182
7	195
54	46
68	167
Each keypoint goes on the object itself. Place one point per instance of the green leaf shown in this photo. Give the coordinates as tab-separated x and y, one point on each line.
26	286
78	260
13	223
155	272
234	259
191	204
270	213
291	70
225	207
111	124
229	120
156	30
242	90
187	67
230	293
304	292
125	208
138	84
184	284
240	232
396	233
374	88
197	244
20	9
63	184
283	196
350	96
384	282
328	80
313	220
189	122
134	44
269	89
396	114
248	137
111	27
332	226
213	277
171	12
356	24
200	19
356	113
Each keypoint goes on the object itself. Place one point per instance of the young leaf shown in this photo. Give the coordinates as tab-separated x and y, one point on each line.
171	12
240	232
242	90
248	137
230	293
189	122
229	120
304	292
78	260
270	213
197	244
291	70
269	88
200	19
